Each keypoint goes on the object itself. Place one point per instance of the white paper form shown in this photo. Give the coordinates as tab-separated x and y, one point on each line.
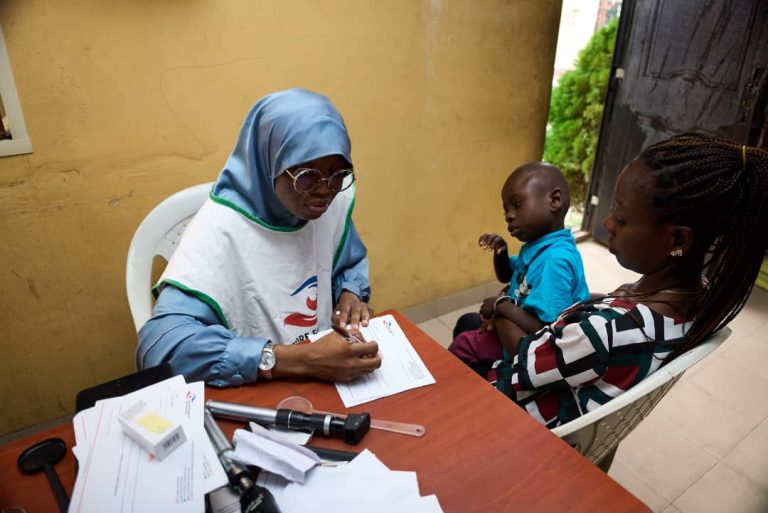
401	367
365	485
117	475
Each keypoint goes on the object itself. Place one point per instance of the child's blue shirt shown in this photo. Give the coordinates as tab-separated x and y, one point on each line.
548	275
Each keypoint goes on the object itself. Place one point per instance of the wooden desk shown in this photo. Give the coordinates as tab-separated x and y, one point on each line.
481	453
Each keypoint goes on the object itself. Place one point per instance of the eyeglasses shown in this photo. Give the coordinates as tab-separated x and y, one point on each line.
307	180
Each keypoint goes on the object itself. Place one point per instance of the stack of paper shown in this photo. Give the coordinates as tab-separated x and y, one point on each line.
401	368
365	485
116	475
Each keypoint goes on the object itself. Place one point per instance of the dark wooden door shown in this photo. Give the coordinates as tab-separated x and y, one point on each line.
679	66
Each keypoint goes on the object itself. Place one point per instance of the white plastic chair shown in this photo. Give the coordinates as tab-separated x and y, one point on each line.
597	434
158	234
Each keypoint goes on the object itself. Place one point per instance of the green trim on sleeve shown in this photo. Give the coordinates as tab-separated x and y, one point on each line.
208	300
345	234
248	215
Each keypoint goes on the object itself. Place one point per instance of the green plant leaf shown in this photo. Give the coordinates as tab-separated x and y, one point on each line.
576	109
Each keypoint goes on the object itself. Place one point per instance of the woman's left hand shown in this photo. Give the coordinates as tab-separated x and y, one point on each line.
488	325
350	311
487	308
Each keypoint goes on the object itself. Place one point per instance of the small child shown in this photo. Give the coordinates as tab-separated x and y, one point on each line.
545	278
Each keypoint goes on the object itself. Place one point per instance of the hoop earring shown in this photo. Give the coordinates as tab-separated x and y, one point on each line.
676	252
743	157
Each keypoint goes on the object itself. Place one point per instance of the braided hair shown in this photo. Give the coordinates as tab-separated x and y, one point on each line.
719	190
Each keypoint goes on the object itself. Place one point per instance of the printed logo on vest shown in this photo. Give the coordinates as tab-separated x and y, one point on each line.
299	319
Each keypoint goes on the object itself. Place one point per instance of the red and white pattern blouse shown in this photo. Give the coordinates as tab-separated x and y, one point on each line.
592	353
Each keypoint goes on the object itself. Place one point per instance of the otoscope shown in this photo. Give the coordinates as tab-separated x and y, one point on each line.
253	498
351	429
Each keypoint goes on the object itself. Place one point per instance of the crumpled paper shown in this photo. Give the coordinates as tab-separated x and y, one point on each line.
268	451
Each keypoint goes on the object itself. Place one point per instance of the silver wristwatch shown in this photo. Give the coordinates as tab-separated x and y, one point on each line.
268	361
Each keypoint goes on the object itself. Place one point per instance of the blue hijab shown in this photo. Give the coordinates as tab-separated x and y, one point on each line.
282	130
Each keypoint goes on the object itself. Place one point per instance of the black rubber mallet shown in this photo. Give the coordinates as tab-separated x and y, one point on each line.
43	456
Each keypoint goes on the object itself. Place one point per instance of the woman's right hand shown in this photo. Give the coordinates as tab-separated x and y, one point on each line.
492	242
331	358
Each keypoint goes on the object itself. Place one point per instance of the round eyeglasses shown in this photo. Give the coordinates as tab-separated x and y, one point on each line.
306	179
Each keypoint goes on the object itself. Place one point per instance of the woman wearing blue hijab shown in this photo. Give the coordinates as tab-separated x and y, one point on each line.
270	258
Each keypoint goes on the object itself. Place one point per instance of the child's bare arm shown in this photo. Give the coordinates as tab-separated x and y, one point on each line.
509	334
497	244
528	322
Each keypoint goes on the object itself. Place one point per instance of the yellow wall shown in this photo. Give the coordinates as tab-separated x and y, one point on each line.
129	101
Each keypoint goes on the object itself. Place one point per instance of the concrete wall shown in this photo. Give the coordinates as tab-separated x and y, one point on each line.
127	102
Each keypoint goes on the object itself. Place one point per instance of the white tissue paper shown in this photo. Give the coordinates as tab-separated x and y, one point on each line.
364	485
286	435
268	451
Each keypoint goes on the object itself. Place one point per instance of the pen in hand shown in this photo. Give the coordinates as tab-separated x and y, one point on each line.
347	335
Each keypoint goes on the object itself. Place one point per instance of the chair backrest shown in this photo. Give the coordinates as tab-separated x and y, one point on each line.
158	234
599	432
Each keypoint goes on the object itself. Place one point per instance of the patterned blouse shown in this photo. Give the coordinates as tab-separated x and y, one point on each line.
592	353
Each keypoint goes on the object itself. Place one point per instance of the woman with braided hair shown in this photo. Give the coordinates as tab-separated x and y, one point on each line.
691	216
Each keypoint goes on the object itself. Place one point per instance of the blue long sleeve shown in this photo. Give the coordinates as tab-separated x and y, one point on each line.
188	334
351	270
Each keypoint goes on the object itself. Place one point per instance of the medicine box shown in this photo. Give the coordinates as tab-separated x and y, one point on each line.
155	433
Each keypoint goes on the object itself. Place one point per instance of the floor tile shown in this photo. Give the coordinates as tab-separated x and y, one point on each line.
752	316
750	457
693	369
449	319
601	268
703	418
591	250
720	490
637	486
735	384
742	326
712	358
671	509
750	352
668	461
438	331
762	332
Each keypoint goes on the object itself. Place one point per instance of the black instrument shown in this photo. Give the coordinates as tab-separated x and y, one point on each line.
123	385
253	498
332	454
43	456
351	429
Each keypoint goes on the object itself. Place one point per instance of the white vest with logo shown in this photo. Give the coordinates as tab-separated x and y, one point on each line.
263	282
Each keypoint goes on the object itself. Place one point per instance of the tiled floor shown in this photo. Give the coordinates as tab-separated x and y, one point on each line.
705	446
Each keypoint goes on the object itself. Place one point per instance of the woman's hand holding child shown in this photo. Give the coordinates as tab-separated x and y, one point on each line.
487	308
